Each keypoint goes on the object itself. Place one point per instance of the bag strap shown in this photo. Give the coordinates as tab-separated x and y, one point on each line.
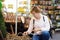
49	22
33	26
43	19
33	23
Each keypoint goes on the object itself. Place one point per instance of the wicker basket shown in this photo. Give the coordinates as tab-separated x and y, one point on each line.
15	37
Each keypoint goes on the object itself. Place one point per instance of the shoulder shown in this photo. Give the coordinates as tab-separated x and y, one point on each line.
32	19
46	17
43	15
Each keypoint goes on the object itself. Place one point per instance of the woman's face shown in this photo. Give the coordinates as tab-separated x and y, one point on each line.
36	15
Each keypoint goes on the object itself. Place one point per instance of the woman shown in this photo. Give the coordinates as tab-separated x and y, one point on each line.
40	28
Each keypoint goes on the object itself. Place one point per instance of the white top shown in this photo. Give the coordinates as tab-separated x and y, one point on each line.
40	23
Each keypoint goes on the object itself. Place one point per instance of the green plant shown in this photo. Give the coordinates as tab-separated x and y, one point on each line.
2	23
0	5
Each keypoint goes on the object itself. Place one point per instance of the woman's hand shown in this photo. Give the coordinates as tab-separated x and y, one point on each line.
37	29
25	33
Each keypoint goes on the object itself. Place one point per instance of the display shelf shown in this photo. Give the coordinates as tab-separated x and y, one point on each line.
57	1
57	17
58	7
56	11
45	3
58	24
10	17
58	29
